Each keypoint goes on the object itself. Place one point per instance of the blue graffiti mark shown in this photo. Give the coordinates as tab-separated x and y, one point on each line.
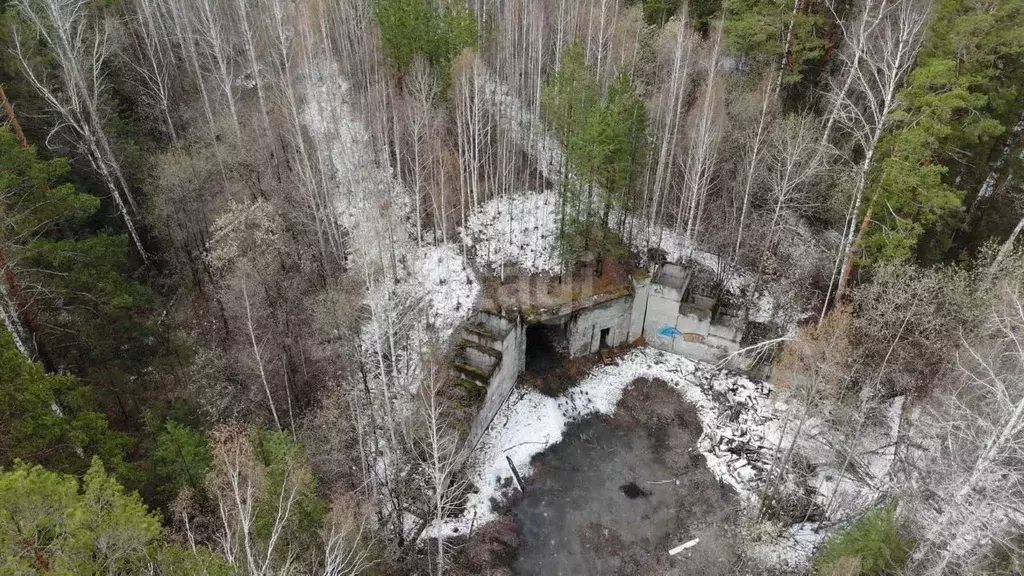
669	331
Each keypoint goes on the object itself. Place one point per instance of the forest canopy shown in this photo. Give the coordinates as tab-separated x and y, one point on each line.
243	244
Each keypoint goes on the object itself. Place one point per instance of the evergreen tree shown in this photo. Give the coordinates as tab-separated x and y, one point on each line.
93	319
604	139
759	30
182	458
50	419
52	523
410	28
568	99
657	12
873	545
960	101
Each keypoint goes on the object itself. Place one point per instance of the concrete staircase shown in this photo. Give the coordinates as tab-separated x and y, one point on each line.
478	353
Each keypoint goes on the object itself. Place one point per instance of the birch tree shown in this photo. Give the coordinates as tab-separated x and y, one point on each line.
753	163
678	44
702	151
212	32
249	37
265	501
421	89
154	62
876	74
443	450
794	164
79	45
972	464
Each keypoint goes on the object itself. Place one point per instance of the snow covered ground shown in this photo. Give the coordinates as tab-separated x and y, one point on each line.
369	201
517	230
733	410
788	552
422	292
417	295
523	123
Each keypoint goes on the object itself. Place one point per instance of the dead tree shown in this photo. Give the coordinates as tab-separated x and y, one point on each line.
18	312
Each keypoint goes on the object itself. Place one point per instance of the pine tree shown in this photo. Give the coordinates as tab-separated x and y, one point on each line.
92	316
419	27
958	103
50	419
52	523
778	34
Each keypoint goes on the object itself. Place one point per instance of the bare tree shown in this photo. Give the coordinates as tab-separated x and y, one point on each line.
443	450
256	352
753	164
794	164
470	127
244	9
216	42
346	552
876	75
184	30
857	35
421	90
154	62
242	491
702	151
80	47
678	42
972	460
812	372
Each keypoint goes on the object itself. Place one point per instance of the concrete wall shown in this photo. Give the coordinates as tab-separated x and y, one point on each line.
503	380
667	292
641	297
683	328
585	326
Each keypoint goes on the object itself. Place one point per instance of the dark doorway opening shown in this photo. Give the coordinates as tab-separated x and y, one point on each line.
604	338
546	348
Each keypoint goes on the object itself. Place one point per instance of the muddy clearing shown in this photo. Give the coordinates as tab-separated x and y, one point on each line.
619	492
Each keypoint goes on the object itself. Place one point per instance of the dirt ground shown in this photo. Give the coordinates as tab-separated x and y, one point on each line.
564	373
614	496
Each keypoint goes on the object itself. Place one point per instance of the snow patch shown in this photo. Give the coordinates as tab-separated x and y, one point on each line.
523	123
368	200
515	230
530	422
789	552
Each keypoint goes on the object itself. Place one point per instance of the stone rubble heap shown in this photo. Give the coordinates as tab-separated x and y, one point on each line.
738	436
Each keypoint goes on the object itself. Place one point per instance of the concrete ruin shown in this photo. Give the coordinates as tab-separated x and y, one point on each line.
672	310
489	358
685	317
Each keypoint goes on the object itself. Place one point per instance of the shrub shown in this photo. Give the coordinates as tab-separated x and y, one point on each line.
872	545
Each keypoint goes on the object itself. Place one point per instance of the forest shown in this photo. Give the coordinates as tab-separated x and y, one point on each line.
240	240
